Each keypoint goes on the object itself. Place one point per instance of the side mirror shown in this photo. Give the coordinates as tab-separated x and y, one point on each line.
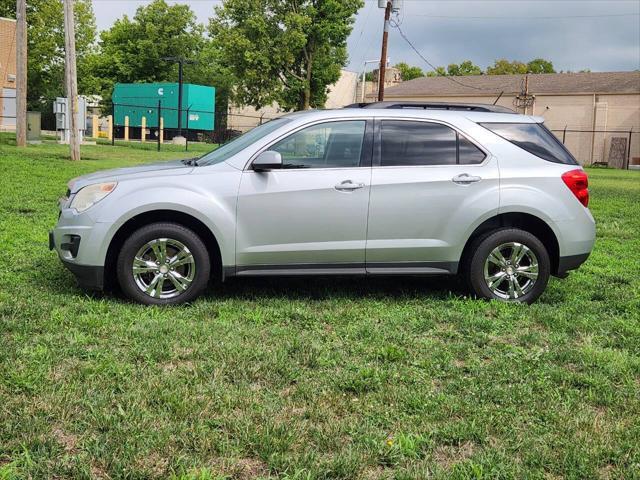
267	160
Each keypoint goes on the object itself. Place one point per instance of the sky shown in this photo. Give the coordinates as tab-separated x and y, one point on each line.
599	35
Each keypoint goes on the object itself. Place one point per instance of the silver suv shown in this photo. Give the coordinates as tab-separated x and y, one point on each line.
378	189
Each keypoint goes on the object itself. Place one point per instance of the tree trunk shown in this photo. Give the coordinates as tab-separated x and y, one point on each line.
306	98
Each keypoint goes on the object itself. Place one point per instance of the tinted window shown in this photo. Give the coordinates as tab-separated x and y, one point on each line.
535	138
468	153
326	145
417	143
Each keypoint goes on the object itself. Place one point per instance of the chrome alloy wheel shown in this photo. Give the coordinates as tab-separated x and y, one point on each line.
163	268
511	270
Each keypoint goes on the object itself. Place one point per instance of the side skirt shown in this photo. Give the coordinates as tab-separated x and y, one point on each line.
308	269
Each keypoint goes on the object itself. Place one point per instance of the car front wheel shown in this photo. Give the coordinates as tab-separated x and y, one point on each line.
511	265
163	264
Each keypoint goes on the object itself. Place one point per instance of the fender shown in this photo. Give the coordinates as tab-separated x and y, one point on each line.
215	211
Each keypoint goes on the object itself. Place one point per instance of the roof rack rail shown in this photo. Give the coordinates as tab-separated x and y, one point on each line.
468	107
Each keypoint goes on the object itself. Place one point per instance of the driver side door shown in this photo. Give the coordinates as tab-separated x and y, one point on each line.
310	216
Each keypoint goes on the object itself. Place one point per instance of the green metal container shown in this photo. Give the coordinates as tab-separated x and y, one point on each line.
137	100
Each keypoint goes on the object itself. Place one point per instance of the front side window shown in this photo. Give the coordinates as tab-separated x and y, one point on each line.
326	145
535	138
406	143
229	149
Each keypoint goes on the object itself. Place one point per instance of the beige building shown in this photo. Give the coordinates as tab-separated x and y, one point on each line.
594	108
341	93
7	74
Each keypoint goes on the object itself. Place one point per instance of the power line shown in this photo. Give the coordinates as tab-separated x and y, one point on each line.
559	17
433	67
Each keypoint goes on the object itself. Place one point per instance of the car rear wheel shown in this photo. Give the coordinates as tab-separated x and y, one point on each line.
510	265
163	264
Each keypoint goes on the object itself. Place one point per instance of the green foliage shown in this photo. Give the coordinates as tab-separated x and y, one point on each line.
540	65
408	72
45	44
499	67
505	67
132	50
465	68
285	51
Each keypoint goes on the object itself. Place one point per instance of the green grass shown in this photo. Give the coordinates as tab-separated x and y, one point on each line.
312	379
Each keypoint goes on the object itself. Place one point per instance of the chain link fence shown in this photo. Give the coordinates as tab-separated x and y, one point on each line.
619	148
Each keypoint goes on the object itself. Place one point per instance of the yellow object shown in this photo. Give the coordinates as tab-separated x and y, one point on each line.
110	127
95	129
161	129
143	130
126	128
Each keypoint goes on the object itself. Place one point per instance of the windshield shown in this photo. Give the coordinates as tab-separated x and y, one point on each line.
229	149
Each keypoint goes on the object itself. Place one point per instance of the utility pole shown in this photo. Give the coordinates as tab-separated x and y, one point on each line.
180	62
21	73
71	80
383	55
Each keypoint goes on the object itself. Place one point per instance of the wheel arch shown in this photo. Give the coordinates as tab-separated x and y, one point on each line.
163	215
524	221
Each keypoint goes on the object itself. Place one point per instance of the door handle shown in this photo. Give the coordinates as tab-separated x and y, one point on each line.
348	186
465	179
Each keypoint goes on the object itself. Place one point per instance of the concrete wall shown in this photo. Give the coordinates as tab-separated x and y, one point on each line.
611	112
7	72
342	93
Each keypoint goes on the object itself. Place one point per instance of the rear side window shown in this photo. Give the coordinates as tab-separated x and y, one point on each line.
535	138
406	143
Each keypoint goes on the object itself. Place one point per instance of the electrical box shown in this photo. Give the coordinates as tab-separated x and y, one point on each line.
61	110
34	121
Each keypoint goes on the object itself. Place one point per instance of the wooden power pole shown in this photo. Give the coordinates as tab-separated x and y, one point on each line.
383	56
71	80
21	73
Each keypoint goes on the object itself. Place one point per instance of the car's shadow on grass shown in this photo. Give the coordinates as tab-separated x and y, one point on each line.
326	288
291	288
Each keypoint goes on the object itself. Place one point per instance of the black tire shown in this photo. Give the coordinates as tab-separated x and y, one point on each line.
483	246
187	280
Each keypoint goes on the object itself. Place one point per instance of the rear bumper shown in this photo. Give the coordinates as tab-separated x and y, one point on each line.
571	262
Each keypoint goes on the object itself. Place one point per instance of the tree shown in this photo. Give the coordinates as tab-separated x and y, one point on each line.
438	72
465	68
285	51
505	67
45	45
407	72
540	65
132	50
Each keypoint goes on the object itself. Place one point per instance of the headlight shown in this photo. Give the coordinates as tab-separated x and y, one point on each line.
91	194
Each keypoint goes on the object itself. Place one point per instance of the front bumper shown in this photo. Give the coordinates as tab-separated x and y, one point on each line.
88	276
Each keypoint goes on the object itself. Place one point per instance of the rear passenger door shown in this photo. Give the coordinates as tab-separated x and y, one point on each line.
430	184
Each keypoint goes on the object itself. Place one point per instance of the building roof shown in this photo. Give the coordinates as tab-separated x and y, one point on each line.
545	83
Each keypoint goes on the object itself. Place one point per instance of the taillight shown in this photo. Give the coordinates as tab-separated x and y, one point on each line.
578	182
